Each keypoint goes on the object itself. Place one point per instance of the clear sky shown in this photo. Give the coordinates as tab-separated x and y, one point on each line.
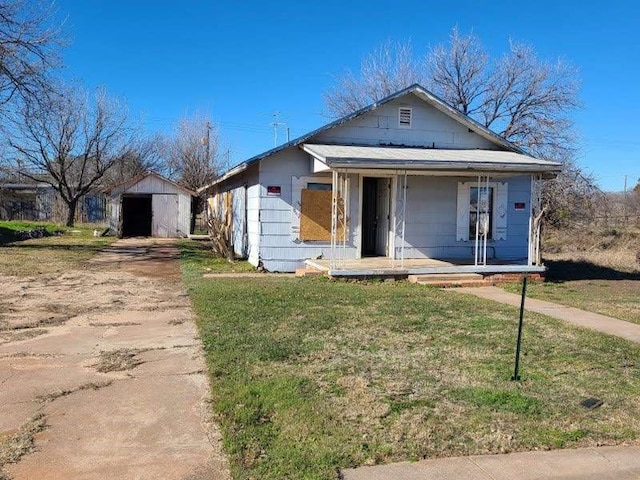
240	62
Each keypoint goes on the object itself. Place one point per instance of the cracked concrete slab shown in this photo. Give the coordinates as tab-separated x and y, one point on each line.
148	421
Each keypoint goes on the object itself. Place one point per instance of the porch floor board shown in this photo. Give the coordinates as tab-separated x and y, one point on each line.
384	266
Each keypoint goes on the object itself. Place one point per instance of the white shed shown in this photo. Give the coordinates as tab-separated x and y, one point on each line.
150	205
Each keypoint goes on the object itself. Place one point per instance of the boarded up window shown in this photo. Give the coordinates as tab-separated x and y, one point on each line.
315	215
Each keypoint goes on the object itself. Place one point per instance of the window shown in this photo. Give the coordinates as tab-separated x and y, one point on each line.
404	117
319	186
490	209
480	211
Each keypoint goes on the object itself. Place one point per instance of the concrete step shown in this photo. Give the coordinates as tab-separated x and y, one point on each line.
445	277
451	280
456	283
308	272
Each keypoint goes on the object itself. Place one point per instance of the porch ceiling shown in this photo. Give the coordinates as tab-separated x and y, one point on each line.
400	158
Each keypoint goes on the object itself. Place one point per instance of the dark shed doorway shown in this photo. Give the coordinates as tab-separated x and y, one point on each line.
136	216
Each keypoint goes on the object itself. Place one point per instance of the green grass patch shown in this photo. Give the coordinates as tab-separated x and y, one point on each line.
618	298
310	376
198	253
9	229
52	254
500	400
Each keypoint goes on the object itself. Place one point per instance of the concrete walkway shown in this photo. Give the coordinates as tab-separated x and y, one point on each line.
604	463
107	359
575	316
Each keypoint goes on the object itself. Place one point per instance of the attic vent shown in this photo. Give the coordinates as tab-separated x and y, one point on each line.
404	117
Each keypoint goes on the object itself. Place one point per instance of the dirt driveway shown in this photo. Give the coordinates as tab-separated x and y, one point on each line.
103	369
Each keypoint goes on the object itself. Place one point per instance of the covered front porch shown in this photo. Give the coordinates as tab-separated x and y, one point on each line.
436	212
397	268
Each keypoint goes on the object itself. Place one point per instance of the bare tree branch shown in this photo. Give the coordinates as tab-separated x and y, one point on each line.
193	156
457	72
29	49
70	142
391	67
527	100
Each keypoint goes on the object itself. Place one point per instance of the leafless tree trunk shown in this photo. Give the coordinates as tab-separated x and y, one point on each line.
70	142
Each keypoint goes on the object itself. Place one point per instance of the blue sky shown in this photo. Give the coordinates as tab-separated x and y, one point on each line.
240	62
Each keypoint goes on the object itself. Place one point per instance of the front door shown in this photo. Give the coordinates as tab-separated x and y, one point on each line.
375	216
382	218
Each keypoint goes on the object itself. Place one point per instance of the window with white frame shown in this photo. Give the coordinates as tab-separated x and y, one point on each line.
482	207
481	212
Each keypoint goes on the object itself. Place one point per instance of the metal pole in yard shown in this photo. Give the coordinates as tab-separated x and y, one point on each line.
516	376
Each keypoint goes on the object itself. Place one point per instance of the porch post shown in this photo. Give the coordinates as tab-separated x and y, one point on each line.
345	211
404	218
535	220
485	222
334	217
476	250
530	238
538	258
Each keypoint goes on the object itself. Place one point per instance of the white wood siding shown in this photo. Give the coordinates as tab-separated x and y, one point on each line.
280	250
429	127
114	214
431	226
184	215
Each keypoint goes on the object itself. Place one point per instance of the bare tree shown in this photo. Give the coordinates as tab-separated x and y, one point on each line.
391	67
192	154
458	72
29	45
71	142
523	98
143	155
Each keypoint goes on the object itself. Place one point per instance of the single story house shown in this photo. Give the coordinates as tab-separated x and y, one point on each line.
407	183
25	199
150	205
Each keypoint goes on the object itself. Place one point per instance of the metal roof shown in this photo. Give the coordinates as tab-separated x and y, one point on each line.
415	89
426	158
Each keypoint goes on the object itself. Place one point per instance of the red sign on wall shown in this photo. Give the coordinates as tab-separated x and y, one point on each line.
273	190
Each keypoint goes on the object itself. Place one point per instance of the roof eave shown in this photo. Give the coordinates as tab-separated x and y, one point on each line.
443	165
416	89
225	176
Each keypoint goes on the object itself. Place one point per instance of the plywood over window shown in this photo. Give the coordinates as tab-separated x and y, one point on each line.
315	215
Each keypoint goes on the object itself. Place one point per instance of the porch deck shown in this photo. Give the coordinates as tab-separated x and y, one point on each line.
384	266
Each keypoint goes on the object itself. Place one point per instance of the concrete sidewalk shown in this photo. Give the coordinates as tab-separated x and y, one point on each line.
603	463
575	316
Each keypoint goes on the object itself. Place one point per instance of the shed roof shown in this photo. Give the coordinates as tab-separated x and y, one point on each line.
415	89
427	158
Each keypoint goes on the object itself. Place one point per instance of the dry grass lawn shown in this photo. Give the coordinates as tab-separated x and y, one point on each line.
310	376
595	270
